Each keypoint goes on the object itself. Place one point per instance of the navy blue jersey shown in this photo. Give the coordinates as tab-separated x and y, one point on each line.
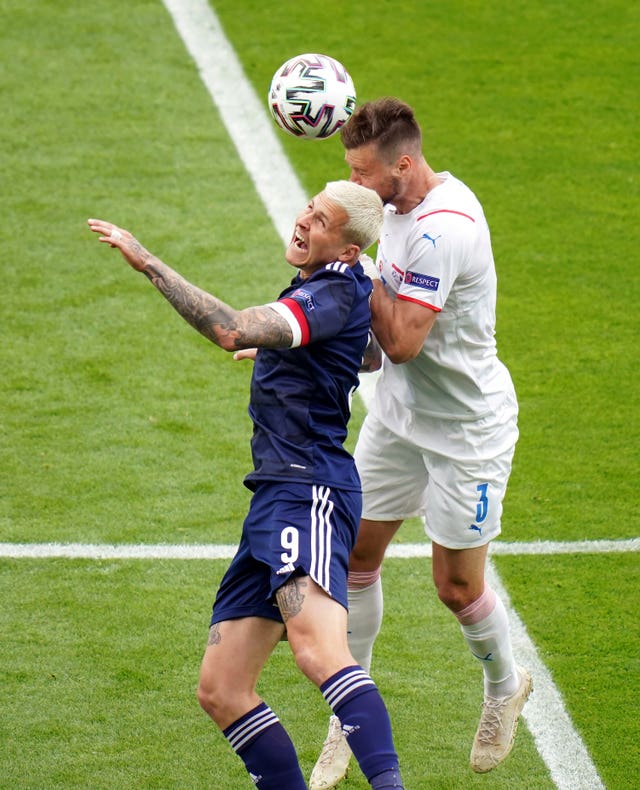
301	396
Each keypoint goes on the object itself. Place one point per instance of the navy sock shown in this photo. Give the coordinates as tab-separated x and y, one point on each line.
387	780
264	746
356	701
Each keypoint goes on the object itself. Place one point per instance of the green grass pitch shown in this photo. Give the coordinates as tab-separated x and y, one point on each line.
119	424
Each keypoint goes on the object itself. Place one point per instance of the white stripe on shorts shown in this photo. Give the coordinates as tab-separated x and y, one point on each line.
321	530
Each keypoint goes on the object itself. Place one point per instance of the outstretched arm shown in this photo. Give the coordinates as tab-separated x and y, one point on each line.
259	326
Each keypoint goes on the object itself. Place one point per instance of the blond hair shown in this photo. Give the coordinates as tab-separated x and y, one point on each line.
363	207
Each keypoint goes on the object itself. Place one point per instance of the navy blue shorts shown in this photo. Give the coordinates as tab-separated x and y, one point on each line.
291	529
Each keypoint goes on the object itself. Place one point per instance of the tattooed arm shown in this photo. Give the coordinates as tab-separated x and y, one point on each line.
228	328
372	359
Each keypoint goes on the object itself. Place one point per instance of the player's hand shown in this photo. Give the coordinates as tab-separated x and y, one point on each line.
133	252
246	353
370	268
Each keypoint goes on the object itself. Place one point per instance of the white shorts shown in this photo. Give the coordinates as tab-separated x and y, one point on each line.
460	501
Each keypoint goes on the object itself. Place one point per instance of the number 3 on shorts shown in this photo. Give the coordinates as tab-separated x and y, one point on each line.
482	506
289	540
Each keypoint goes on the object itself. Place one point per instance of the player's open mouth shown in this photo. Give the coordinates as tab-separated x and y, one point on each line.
299	242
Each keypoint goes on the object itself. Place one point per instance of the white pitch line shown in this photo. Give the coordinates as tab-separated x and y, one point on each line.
537	547
556	738
119	551
567	547
243	113
278	186
224	551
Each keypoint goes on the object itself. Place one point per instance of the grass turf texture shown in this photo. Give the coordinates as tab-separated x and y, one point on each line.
100	676
120	424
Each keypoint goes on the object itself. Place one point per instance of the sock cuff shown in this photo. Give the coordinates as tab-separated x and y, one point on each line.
358	580
245	729
387	780
345	685
479	609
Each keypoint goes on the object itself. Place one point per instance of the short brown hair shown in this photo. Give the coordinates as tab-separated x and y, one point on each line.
388	122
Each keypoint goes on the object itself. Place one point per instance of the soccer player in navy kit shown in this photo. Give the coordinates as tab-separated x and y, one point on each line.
290	570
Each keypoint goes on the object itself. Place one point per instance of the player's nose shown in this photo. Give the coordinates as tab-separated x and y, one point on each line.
303	218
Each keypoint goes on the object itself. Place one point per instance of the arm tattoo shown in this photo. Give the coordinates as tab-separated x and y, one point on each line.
228	328
290	597
372	359
214	635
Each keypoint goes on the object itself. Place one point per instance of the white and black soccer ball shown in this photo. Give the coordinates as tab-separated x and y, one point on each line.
312	96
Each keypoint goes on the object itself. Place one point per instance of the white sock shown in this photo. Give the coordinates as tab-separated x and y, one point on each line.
490	643
365	619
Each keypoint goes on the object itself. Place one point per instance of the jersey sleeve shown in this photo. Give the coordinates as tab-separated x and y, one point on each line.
320	306
437	255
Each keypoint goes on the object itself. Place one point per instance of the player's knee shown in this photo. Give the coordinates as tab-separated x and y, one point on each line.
318	663
455	597
368	554
206	697
212	698
309	662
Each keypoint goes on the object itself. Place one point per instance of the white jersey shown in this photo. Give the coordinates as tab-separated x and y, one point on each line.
439	255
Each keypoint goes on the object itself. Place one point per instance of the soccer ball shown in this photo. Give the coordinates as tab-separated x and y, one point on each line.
311	96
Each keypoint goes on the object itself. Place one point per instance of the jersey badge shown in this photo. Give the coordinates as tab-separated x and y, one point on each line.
304	296
397	275
419	280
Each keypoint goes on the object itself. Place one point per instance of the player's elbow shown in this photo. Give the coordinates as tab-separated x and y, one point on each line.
400	358
400	352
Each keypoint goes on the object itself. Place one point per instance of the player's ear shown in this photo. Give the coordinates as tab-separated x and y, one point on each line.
350	254
403	164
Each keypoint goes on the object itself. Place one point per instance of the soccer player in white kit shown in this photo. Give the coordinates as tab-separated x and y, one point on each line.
439	439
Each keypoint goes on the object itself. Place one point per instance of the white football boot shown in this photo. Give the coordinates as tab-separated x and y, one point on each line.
333	763
498	723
